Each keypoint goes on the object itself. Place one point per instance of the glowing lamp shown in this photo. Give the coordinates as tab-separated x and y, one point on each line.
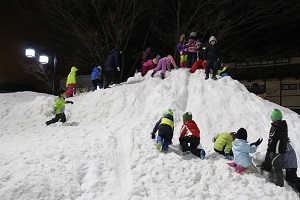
44	59
30	53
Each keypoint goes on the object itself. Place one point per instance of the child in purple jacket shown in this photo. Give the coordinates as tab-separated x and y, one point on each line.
182	50
163	65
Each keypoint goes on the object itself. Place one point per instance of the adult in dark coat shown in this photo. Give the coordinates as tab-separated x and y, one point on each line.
112	66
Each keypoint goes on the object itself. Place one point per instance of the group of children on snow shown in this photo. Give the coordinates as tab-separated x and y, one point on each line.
193	55
280	153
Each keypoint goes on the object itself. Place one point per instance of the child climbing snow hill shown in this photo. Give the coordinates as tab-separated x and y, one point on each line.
59	108
190	136
165	127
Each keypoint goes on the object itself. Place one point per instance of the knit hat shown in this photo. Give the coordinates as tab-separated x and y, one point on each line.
241	134
276	114
170	111
193	34
187	116
212	38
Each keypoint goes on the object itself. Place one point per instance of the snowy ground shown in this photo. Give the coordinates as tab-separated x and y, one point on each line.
104	151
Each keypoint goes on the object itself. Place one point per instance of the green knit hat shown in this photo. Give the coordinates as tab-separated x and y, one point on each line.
170	111
276	114
187	116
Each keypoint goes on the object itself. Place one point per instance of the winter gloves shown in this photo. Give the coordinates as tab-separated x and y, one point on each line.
71	102
152	136
227	156
257	143
213	139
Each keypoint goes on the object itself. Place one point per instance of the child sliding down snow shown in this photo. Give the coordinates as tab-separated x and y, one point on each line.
190	136
165	127
59	108
241	150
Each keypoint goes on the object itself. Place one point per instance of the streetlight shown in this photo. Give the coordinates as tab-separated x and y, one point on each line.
44	59
30	53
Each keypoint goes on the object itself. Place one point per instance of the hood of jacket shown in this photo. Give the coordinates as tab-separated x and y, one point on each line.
74	69
213	38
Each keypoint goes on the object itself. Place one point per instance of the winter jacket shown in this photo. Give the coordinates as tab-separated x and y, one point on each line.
165	126
241	150
59	105
223	140
181	48
71	79
148	64
113	60
192	45
169	60
201	54
96	74
221	71
278	137
212	52
290	158
190	128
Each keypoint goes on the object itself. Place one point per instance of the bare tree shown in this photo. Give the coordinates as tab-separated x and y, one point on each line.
39	71
91	28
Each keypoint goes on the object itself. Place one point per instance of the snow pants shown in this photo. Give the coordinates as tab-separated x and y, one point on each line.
190	143
277	164
71	90
95	83
162	65
212	64
165	135
183	59
60	116
198	64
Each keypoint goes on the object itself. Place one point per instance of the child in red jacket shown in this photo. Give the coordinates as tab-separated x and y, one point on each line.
190	136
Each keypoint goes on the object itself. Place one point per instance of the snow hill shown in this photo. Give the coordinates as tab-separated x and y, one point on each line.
104	151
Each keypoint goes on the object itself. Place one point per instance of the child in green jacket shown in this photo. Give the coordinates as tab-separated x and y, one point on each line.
59	108
223	144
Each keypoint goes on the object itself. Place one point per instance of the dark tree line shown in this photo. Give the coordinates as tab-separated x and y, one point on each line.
89	29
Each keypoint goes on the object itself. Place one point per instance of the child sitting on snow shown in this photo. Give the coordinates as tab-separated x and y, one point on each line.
165	127
190	136
241	150
223	144
59	108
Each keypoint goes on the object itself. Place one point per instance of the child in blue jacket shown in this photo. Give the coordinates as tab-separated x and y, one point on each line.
96	78
241	150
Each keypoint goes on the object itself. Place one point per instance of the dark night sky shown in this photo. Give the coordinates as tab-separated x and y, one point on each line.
16	27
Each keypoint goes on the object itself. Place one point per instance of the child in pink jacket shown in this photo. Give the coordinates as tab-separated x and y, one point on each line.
148	65
163	65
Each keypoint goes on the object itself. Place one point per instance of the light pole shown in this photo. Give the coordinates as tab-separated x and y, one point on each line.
44	59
